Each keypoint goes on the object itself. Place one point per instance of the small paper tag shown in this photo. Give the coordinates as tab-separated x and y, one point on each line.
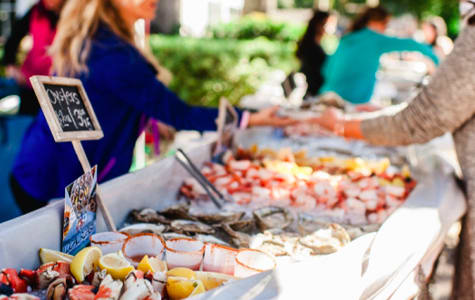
80	207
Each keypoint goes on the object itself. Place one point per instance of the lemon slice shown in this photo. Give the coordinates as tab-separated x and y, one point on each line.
182	272
84	262
52	256
213	280
181	287
152	265
116	265
199	288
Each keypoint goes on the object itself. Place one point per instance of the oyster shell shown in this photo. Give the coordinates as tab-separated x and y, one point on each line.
191	227
144	228
173	235
326	241
273	217
240	239
308	224
210	239
219	217
148	215
277	244
244	225
178	212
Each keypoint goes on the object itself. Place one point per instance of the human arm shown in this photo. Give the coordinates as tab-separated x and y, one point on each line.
123	72
391	44
443	106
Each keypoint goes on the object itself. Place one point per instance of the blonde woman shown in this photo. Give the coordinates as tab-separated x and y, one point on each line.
95	42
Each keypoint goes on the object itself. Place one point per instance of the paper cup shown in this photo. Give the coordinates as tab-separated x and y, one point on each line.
249	262
137	246
184	252
219	259
108	242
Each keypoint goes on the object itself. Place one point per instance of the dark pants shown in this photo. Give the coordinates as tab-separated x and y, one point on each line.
25	202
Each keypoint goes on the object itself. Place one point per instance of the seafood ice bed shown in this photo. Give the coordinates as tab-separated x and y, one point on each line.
349	191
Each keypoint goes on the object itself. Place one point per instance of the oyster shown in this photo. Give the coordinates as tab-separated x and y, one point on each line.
357	231
244	225
277	244
308	224
180	211
173	235
210	239
191	227
240	239
144	228
273	217
219	217
326	241
148	215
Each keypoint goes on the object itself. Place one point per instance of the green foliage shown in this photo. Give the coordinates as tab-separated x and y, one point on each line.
304	3
205	70
295	3
251	27
447	9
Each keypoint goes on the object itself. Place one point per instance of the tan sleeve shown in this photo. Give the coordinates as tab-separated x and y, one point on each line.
443	106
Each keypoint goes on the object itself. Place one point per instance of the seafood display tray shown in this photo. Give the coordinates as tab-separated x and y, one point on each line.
370	267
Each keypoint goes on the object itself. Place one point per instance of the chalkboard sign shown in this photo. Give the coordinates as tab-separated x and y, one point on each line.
67	108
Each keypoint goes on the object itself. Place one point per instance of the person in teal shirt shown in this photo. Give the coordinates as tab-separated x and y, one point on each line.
351	71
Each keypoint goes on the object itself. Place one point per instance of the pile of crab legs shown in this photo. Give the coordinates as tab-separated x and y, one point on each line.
53	281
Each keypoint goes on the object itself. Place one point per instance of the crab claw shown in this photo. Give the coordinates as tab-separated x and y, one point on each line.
57	289
47	273
82	292
98	277
30	276
10	278
110	289
136	287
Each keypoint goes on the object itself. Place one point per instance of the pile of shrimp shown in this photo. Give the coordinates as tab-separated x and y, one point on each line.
366	191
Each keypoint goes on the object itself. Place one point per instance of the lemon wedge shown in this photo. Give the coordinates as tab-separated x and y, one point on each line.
152	265
52	256
84	262
213	280
182	272
181	287
199	288
116	265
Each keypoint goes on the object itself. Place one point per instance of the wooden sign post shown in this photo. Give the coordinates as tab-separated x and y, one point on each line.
70	117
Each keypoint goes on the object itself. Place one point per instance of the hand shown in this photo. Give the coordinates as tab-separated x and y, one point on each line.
268	117
166	131
328	119
14	72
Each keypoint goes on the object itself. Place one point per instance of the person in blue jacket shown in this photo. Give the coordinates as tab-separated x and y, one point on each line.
95	43
351	71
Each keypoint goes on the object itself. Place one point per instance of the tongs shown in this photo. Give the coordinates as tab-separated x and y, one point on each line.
191	168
